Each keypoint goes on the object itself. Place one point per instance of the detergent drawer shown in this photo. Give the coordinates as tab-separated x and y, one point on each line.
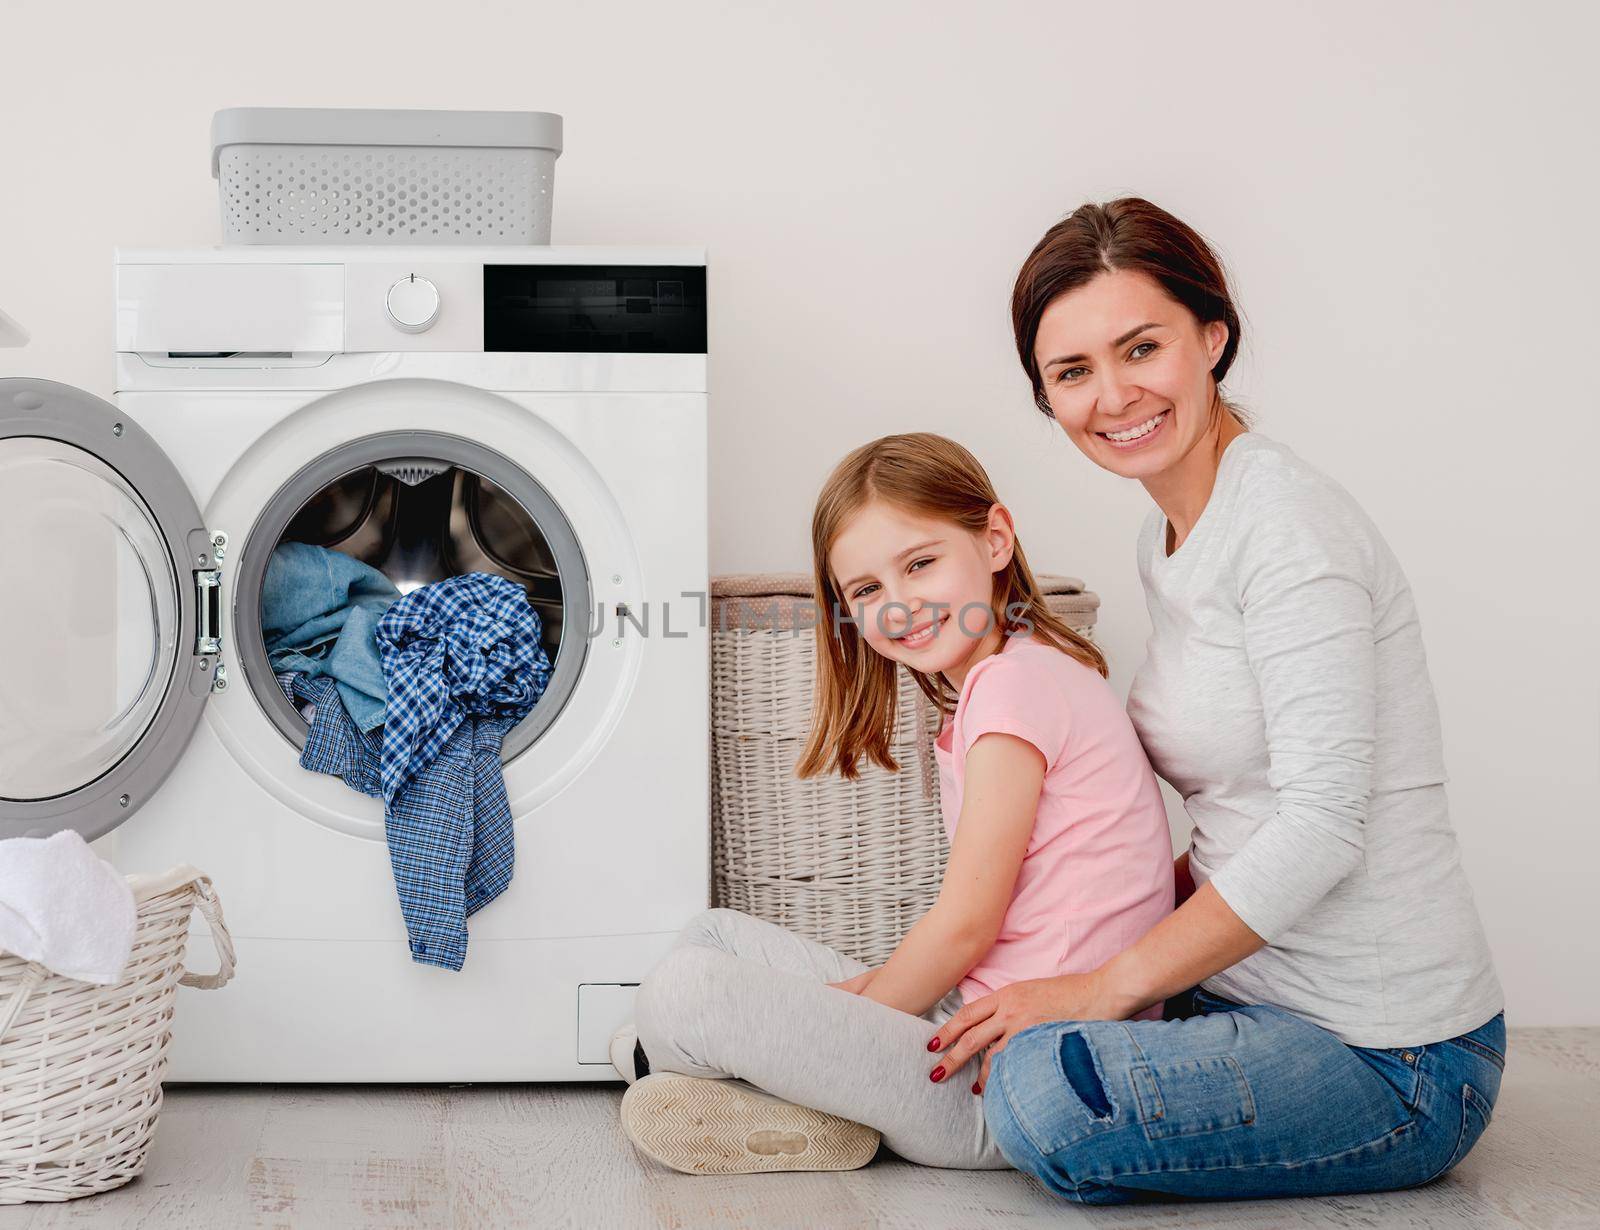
221	308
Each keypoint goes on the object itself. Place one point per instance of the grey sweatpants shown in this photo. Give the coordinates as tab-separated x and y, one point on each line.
739	997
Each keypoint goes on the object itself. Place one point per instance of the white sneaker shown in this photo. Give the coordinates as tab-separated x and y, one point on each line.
627	1057
704	1126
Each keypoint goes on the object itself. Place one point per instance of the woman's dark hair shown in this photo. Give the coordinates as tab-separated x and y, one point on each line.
1125	234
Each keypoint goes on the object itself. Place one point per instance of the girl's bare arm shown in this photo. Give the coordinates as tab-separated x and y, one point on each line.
1004	775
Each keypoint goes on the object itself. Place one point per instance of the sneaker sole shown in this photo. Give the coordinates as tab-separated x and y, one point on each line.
702	1126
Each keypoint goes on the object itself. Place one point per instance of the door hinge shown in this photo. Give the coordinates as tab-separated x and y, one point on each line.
207	611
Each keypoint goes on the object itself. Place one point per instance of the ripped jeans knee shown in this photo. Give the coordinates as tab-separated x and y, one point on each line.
1059	1105
1082	1074
1048	1090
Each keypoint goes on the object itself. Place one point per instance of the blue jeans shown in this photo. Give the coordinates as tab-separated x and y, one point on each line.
1233	1102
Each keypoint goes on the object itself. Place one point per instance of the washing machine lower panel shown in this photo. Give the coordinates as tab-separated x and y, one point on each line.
326	989
327	1011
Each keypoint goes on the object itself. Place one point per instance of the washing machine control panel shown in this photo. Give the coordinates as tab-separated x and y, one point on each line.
620	309
431	299
413	303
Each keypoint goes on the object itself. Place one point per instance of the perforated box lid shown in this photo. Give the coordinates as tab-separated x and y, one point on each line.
358	126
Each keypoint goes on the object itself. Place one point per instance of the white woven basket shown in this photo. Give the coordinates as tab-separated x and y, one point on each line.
81	1065
850	864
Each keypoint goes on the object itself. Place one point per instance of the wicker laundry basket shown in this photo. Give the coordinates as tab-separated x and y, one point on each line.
851	864
81	1065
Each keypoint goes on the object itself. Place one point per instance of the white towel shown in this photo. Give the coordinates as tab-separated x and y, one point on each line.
65	907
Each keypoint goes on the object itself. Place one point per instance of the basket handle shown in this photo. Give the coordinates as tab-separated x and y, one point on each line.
32	975
211	910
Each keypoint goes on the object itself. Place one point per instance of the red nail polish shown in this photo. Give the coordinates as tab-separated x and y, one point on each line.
976	1088
937	1074
934	1045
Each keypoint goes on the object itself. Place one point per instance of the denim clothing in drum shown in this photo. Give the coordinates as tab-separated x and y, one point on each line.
319	611
463	665
1233	1102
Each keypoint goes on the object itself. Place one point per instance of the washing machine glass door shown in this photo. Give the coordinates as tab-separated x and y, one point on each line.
109	605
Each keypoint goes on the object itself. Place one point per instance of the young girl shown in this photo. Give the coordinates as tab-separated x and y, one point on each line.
1059	851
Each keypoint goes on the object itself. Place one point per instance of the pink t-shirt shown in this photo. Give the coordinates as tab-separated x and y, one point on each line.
1097	873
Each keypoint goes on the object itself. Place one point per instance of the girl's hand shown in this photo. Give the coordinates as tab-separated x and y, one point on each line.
993	1020
857	984
1182	879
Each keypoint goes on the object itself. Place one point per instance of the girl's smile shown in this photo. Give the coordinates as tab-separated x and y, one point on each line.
924	633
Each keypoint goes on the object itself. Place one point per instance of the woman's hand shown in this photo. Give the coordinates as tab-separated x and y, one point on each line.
857	984
1200	938
993	1020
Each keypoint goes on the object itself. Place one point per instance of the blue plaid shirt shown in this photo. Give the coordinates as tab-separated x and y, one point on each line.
464	646
463	665
334	744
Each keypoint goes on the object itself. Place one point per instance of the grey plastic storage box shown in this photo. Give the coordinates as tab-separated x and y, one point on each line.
298	175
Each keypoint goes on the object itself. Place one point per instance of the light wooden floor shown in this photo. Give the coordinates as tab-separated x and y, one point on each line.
554	1155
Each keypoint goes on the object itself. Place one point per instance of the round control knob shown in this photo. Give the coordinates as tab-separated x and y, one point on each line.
413	303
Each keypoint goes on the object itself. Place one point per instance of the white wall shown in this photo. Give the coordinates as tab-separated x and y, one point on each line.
1400	192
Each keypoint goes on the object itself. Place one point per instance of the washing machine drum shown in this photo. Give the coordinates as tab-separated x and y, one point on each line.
112	625
421	507
419	521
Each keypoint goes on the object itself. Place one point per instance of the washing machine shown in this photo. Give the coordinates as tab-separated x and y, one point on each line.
534	412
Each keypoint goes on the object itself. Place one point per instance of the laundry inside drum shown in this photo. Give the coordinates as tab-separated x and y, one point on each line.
419	521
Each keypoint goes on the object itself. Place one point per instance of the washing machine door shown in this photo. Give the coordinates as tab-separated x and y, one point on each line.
109	610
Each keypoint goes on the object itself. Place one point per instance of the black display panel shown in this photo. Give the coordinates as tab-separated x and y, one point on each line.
625	309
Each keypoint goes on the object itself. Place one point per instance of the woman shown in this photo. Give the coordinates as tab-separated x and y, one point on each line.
1337	1020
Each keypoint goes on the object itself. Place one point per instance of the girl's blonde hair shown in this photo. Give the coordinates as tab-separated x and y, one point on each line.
854	700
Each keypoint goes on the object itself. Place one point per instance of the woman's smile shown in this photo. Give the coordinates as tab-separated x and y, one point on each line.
1137	436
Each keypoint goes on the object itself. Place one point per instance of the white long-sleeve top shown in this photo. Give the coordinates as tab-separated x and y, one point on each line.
1286	697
